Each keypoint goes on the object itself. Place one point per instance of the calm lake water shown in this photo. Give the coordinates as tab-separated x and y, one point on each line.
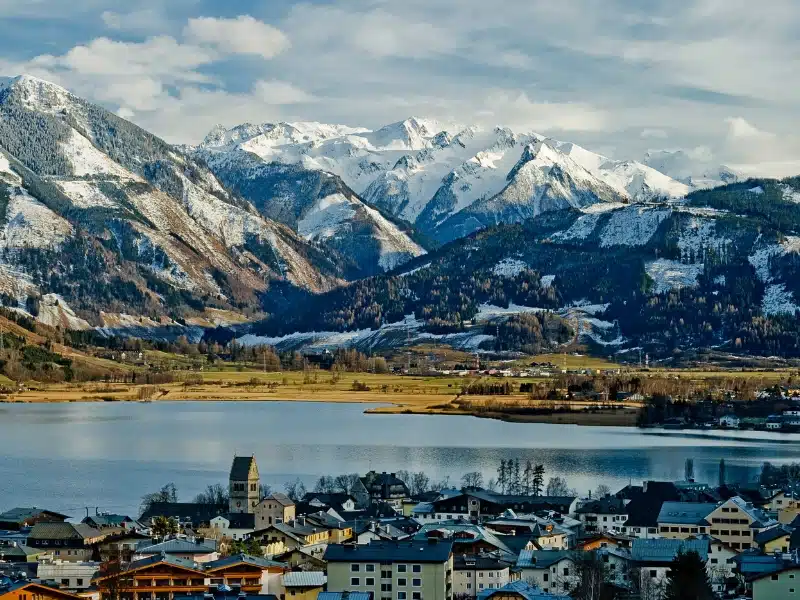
70	456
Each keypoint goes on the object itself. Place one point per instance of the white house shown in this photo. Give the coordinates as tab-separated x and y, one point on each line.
791	417
729	421
551	570
76	576
234	526
476	574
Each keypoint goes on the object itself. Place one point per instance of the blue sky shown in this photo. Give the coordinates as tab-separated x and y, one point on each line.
717	78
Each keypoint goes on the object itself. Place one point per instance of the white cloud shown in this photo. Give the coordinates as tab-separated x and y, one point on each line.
281	92
145	20
517	110
242	35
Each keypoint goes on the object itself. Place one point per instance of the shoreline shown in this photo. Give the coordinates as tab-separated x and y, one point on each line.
388	403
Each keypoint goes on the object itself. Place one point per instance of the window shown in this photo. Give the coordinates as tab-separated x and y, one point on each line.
416	596
418	582
469	587
714	561
369	581
386	587
480	574
386	574
79	581
355	568
545	576
653	574
402	582
401	596
566	571
480	586
65	582
355	581
402	568
370	568
416	568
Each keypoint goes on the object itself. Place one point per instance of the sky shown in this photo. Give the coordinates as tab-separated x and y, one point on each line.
714	78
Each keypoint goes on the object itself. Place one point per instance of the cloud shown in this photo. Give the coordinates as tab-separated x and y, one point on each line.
242	35
281	92
144	20
517	110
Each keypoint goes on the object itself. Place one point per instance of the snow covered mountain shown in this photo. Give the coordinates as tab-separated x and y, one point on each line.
112	220
695	170
445	179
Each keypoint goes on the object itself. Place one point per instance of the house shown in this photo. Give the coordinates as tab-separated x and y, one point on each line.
227	593
345	596
602	514
774	422
781	584
643	504
791	417
111	521
315	501
121	543
654	556
196	515
19	518
776	539
408	570
520	590
470	539
278	538
386	487
29	590
474	574
681	520
303	585
475	504
596	541
736	523
199	550
252	574
16	553
73	576
158	576
245	488
302	560
551	570
729	421
629	397
66	541
234	526
275	508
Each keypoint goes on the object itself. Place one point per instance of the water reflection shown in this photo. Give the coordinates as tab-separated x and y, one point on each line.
111	454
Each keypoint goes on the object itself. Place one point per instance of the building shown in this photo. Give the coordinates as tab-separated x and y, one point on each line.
66	541
386	487
112	521
275	508
602	514
474	574
18	518
477	504
520	590
29	590
681	520
303	585
294	535
195	515
729	421
251	574
736	523
551	570
643	504
72	576
782	584
245	485
397	570
791	418
345	596
199	550
158	577
654	557
234	526
776	539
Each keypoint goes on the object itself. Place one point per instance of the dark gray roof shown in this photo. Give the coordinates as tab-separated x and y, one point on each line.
196	513
389	551
521	588
463	562
177	546
240	469
236	559
165	558
541	559
665	550
281	499
63	531
685	513
608	505
241	520
106	520
773	533
22	514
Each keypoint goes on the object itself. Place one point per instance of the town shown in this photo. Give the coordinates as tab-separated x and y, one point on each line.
401	536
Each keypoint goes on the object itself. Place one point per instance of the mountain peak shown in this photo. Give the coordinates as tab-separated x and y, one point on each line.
36	93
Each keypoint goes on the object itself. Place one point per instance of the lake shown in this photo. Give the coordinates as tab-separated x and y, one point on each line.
68	457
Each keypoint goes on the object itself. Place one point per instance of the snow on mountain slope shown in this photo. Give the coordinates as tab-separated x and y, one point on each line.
143	223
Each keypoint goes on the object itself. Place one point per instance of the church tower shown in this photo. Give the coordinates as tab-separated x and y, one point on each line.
244	484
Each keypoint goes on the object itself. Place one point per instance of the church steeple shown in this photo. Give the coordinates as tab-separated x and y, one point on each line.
244	484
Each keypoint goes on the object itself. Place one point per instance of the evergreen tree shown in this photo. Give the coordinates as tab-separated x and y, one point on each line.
502	476
687	579
527	478
516	481
538	480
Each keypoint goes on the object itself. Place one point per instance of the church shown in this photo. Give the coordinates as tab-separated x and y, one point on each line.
245	488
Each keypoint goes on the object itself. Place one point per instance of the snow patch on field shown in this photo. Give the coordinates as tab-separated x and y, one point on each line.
761	257
580	229
547	280
509	267
326	218
487	312
632	227
30	224
700	235
777	300
85	194
54	311
415	270
5	168
671	274
602	207
758	190
85	159
790	194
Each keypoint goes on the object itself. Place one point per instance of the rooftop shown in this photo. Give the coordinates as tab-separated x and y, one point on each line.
685	513
22	514
541	559
177	546
522	589
304	579
240	469
63	531
344	596
238	559
390	551
665	550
